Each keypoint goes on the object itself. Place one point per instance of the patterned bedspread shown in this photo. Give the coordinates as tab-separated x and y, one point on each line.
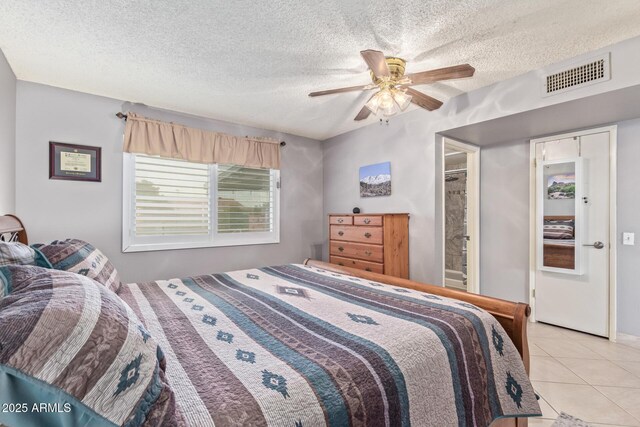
299	346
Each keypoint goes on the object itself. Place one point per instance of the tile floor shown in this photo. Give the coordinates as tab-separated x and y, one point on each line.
585	376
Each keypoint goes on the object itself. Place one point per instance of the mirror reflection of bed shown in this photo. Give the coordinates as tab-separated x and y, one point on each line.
559	241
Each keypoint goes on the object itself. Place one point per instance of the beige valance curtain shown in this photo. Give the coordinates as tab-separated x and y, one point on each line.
153	137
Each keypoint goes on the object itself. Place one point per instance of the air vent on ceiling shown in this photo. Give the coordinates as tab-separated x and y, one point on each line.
594	71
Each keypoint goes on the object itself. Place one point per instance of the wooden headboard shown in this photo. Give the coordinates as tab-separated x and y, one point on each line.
560	217
12	230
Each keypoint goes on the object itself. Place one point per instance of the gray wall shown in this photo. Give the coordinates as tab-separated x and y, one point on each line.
504	221
405	144
628	220
54	209
504	204
7	136
504	213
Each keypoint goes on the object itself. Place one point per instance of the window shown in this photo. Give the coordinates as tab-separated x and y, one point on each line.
173	204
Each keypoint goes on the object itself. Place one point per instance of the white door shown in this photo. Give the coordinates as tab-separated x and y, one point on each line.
572	282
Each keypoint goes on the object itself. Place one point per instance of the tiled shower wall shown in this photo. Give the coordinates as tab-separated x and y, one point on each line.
455	205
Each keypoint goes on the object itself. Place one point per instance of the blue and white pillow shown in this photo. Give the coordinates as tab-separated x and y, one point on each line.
78	256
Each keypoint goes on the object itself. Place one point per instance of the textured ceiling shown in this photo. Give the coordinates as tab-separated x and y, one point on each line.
253	62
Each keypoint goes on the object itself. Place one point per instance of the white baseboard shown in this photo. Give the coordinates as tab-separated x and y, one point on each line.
630	340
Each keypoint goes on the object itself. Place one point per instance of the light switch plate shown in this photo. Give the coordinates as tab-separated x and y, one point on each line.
628	238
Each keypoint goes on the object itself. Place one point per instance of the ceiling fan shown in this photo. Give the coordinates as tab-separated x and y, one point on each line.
394	94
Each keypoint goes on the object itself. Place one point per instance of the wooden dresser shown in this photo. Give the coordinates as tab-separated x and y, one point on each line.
371	242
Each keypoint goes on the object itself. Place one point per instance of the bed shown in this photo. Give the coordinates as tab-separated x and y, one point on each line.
316	344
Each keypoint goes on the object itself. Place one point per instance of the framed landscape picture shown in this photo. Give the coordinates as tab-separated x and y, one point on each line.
375	180
561	186
74	162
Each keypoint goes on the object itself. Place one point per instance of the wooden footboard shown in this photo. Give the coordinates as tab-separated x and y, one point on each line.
511	315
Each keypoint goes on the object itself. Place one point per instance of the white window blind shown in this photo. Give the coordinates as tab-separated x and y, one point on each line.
172	197
171	204
244	199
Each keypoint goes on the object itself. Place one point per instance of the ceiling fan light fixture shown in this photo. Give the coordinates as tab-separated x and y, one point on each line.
383	100
373	104
389	111
401	98
389	101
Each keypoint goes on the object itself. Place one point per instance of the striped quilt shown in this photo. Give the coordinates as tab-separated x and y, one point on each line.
74	354
299	346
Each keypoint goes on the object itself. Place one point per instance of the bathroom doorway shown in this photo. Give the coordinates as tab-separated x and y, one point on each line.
460	216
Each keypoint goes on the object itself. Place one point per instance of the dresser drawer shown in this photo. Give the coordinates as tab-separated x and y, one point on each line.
356	263
353	233
344	220
357	250
368	220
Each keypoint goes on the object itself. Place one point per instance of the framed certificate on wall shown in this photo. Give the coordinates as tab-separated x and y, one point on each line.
74	162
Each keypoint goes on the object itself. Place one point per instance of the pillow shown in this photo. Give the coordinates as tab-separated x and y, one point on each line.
557	231
71	344
21	254
81	257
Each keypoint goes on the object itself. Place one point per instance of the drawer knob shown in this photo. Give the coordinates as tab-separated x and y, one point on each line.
340	220
367	220
367	235
368	253
340	248
340	233
367	269
340	264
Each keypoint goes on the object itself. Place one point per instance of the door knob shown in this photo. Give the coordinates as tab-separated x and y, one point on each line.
597	245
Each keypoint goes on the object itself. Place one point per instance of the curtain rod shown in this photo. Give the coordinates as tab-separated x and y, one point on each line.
121	115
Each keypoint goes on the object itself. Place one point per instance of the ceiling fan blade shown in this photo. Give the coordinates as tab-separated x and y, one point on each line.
376	62
447	73
424	101
363	114
343	89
